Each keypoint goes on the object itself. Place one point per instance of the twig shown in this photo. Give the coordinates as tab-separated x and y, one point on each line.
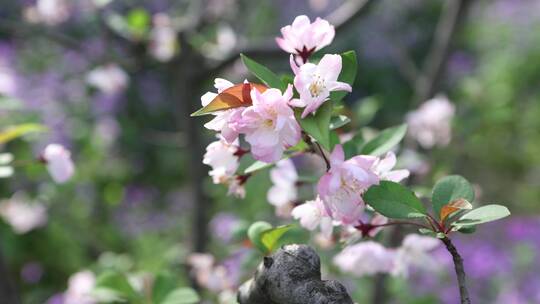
460	270
453	13
326	161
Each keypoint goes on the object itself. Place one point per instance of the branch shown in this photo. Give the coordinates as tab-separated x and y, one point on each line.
341	18
453	13
460	270
292	275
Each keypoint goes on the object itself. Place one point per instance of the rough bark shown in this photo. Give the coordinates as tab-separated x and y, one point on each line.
292	275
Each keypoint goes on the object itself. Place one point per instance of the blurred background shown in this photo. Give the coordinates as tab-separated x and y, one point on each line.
114	81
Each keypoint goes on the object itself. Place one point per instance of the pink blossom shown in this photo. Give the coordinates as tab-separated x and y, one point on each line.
342	186
414	251
236	187
365	258
303	37
383	168
220	155
313	214
269	124
431	123
211	276
110	78
377	220
22	214
225	121
59	163
80	286
284	178
163	42
49	12
314	82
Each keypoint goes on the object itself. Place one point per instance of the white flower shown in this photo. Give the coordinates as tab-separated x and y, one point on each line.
236	187
314	82
430	124
79	289
110	79
220	155
23	215
224	120
365	258
313	214
284	178
414	251
163	43
59	163
383	168
213	277
50	12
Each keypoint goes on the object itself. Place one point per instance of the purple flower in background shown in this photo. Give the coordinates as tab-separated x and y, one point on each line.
32	272
223	226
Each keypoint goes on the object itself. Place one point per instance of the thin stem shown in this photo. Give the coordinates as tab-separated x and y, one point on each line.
460	270
323	156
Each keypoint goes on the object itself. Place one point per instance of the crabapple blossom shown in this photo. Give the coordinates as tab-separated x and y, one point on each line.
414	251
211	276
377	220
314	82
59	163
225	121
312	214
302	37
365	258
163	42
431	123
23	215
109	79
284	178
383	168
341	187
221	156
269	124
80	286
50	12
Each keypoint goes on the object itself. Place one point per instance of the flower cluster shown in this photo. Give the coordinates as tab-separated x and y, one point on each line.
266	120
368	258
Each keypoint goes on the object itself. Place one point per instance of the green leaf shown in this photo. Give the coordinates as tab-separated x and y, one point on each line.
255	233
13	132
271	237
366	109
339	121
353	146
467	229
138	21
394	201
182	295
427	232
318	125
448	189
349	65
484	214
385	141
163	285
263	73
118	283
256	166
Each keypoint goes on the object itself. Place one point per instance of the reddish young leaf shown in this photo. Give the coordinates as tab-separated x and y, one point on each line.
453	206
233	97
